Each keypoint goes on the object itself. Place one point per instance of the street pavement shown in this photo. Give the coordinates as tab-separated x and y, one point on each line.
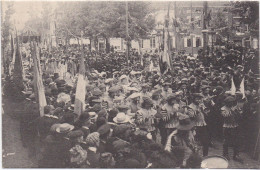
248	163
14	154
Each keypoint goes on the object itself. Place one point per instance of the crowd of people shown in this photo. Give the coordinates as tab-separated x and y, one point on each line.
136	115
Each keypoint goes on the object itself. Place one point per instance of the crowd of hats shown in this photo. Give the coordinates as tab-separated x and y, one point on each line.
106	135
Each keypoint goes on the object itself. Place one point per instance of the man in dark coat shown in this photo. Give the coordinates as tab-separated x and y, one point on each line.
44	123
55	153
27	127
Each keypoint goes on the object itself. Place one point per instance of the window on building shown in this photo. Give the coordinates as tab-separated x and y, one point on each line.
198	42
188	42
152	42
101	46
199	23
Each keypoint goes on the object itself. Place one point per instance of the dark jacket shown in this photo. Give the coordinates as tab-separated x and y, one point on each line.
56	152
44	124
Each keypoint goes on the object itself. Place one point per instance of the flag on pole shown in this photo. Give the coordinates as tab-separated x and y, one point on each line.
18	68
242	87
38	84
11	67
164	60
81	87
233	87
165	57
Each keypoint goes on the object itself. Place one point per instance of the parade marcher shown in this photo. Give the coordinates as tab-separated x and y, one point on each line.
166	90
146	116
230	127
170	117
197	111
179	104
182	136
134	104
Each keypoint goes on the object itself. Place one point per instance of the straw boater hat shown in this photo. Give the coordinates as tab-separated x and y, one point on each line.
134	95
121	118
64	128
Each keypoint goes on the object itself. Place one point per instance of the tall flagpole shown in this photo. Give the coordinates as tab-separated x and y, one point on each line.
127	34
191	27
175	31
205	12
168	36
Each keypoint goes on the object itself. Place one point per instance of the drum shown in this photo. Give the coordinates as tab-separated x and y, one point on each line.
214	162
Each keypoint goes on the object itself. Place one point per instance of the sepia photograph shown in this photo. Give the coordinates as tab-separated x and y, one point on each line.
130	84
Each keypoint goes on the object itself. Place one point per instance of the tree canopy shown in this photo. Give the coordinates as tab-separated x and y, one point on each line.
7	25
107	19
248	11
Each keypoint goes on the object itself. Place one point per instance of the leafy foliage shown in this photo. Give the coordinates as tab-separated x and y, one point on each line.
249	11
219	20
107	19
7	25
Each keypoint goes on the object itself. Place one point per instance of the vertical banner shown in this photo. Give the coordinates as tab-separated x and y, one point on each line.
233	87
18	70
38	84
242	87
166	61
81	85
